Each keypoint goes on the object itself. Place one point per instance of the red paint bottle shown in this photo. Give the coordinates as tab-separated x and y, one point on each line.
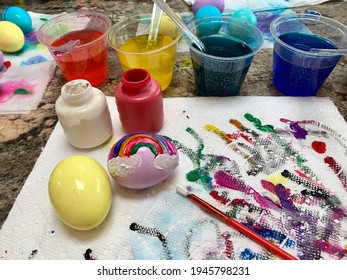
139	102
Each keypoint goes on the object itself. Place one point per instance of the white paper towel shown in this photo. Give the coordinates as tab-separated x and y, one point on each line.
267	133
23	84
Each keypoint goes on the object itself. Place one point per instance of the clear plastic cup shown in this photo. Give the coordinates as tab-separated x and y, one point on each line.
230	48
129	39
297	71
78	44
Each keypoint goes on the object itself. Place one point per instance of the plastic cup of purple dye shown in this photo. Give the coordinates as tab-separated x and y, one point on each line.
297	70
230	48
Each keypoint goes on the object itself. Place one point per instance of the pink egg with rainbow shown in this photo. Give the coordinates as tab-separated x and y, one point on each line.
142	160
219	4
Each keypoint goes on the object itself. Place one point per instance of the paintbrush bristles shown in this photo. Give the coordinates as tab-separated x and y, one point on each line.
182	191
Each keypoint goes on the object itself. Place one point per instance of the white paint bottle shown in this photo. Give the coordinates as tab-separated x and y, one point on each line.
83	113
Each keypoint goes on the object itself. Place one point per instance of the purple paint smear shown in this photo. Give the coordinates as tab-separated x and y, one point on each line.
297	130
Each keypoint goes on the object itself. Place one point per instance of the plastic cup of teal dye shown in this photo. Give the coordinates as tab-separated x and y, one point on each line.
297	71
230	48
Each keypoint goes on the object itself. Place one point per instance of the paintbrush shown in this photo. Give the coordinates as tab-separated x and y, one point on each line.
236	225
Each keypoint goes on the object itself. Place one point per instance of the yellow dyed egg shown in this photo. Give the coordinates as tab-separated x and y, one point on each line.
11	37
80	192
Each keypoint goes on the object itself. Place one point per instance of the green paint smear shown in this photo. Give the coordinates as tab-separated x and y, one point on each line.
231	214
200	173
194	156
193	176
257	123
21	91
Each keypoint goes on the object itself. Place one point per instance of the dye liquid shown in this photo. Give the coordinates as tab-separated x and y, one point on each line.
137	52
216	76
87	62
298	74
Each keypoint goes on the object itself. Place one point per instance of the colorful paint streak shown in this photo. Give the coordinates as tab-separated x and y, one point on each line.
336	167
297	131
248	254
300	213
257	123
11	88
229	247
266	179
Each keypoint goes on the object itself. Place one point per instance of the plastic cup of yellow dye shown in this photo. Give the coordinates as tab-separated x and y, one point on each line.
130	40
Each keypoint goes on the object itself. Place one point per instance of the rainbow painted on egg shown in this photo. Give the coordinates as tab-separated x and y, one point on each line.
142	160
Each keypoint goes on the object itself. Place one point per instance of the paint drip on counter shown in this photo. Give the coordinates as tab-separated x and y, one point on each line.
83	113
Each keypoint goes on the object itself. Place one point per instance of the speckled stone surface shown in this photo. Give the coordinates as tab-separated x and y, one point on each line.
22	137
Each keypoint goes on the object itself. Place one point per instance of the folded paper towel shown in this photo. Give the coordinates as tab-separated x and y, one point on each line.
23	84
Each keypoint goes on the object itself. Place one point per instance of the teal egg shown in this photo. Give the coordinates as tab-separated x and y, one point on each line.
200	3
245	15
19	17
209	28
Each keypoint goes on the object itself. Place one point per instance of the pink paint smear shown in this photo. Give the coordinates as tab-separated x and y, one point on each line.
10	88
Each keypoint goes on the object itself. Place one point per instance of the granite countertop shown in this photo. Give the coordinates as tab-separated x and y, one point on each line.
22	137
